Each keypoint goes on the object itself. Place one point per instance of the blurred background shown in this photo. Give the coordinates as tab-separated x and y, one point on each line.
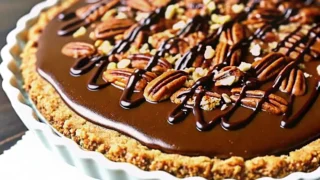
11	128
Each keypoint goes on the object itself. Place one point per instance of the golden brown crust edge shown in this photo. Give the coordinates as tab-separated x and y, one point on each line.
120	148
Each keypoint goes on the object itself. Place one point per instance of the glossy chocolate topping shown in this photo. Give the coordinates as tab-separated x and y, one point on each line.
291	117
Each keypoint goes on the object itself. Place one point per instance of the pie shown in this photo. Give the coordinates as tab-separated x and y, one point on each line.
217	89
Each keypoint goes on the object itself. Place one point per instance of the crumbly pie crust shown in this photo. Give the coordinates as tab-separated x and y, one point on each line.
121	148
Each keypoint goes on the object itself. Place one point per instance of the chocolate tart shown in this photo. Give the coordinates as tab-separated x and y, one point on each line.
217	89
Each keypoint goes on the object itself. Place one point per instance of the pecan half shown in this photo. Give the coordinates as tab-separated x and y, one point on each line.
295	83
306	15
146	5
78	49
92	12
261	16
269	66
140	61
112	27
140	37
275	104
233	35
221	53
228	39
293	48
165	85
120	77
228	76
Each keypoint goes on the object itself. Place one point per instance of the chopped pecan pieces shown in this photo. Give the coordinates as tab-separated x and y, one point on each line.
194	38
78	49
269	66
208	102
228	76
120	77
275	104
112	27
295	83
165	85
140	61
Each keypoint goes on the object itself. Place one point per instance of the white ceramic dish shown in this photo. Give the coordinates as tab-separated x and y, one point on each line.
92	163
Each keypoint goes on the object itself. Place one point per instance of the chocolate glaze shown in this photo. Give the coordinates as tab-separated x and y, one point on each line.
94	100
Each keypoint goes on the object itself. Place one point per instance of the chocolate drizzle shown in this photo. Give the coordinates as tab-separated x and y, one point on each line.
193	26
91	14
289	119
284	73
90	69
86	64
180	112
188	58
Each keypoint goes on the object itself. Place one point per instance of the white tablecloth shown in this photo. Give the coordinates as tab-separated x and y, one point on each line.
30	160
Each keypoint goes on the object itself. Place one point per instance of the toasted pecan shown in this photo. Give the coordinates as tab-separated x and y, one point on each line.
165	85
140	61
275	104
120	77
78	49
269	66
112	27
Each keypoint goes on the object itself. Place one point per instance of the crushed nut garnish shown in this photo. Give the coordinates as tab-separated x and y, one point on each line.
237	8
105	47
109	14
112	65
121	15
307	75
318	70
179	25
220	19
209	53
80	32
209	103
255	49
226	98
171	11
224	107
199	73
244	67
124	63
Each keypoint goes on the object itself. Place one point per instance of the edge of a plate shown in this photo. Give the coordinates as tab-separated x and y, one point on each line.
93	164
